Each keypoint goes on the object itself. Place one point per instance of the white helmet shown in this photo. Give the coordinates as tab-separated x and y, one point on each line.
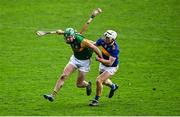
111	34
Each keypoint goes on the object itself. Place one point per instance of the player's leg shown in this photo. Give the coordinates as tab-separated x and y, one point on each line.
84	67
82	83
67	71
113	87
107	82
99	87
99	82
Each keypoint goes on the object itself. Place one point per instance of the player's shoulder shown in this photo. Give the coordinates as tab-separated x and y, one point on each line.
100	41
79	37
115	46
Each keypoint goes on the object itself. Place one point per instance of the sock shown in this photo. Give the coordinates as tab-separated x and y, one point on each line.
54	93
96	97
113	86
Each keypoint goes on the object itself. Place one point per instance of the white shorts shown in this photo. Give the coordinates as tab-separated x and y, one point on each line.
82	65
111	70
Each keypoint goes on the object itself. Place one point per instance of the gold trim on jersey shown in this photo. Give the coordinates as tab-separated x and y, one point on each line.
105	52
84	44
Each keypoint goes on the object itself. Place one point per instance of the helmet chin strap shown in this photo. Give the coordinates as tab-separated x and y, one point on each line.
112	42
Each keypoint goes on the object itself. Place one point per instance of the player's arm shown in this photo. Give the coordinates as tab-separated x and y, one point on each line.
98	42
94	43
90	44
106	62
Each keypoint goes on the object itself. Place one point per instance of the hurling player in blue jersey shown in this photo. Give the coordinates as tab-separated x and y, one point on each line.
108	64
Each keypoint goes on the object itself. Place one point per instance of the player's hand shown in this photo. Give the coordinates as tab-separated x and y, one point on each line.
98	59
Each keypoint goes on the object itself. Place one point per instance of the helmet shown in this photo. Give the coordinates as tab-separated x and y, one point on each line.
111	34
69	32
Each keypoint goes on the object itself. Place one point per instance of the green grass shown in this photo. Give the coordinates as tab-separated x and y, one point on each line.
149	59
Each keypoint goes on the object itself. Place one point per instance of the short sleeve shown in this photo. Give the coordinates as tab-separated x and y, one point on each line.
99	42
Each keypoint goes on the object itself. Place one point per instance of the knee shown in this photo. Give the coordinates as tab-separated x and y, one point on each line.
99	81
63	77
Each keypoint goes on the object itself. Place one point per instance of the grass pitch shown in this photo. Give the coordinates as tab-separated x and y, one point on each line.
149	58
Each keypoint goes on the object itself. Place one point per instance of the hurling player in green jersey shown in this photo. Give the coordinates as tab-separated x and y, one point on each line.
80	60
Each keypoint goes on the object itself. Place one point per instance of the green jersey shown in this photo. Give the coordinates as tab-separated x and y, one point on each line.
81	53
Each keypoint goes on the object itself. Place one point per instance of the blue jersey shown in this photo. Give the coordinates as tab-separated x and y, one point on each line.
109	50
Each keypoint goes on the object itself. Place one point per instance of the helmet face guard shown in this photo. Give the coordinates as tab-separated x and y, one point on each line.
69	39
68	33
110	34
